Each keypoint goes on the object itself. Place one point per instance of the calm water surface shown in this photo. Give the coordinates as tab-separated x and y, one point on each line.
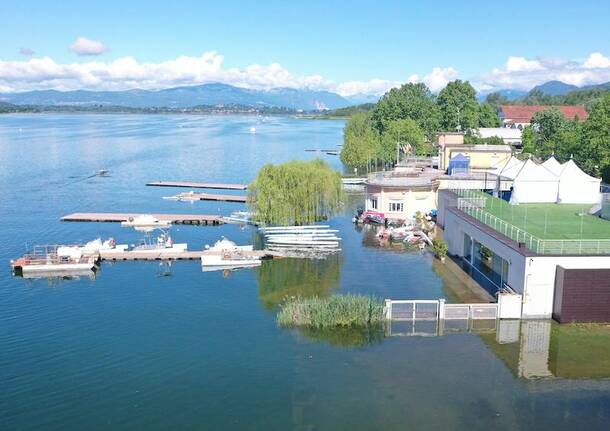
131	349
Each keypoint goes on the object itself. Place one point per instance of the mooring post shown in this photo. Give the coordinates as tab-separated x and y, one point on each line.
441	309
388	309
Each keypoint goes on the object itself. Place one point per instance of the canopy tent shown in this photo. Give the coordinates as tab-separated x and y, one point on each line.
459	164
553	165
509	169
534	184
576	187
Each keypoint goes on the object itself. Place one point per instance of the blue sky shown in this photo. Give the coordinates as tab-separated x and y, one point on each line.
317	43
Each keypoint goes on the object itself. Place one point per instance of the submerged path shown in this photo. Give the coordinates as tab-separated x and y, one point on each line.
199	219
194	185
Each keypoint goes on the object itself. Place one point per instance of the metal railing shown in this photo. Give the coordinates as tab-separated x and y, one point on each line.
412	310
473	203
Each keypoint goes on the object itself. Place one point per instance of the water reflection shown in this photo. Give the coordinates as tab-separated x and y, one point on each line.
530	349
346	337
284	278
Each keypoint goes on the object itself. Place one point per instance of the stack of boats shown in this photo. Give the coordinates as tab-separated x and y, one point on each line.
307	238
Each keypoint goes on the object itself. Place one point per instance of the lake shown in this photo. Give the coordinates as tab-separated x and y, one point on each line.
134	349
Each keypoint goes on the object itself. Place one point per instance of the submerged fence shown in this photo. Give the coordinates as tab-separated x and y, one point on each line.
397	310
474	204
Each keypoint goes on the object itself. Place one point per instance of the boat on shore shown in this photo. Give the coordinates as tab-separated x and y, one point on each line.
225	254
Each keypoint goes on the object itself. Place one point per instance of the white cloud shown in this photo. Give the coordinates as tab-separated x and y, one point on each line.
597	60
520	73
84	46
520	64
127	73
375	87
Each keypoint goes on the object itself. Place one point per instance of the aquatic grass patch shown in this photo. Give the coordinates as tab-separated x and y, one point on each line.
334	311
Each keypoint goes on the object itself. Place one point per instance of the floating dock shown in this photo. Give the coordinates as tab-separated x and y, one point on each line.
112	255
209	197
196	219
194	185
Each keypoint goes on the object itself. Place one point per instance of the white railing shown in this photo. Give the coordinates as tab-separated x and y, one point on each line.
412	310
474	204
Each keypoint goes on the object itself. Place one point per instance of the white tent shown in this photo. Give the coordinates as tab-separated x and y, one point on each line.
553	165
576	187
534	184
508	169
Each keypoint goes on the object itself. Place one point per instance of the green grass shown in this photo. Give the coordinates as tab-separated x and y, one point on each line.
551	221
335	311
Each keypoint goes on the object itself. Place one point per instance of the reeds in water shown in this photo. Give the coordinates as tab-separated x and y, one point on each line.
334	311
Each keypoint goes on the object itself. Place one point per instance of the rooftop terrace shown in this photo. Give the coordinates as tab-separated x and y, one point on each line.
544	228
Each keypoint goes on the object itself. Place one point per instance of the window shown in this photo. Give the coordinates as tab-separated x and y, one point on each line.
396	207
373	203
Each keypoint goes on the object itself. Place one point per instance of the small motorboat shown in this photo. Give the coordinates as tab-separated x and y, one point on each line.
163	244
145	221
225	254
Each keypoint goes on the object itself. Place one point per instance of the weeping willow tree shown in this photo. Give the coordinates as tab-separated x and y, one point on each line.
295	193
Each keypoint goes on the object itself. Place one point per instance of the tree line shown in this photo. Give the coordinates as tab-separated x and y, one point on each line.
586	96
409	118
588	142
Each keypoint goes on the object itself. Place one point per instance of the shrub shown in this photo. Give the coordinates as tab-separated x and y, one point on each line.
337	310
439	248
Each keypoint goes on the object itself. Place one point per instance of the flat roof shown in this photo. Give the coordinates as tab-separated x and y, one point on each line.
551	221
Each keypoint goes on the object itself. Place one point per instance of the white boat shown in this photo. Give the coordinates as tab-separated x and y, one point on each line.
225	254
183	197
307	227
44	260
163	244
145	221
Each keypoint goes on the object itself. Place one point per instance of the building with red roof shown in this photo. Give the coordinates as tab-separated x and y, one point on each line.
521	115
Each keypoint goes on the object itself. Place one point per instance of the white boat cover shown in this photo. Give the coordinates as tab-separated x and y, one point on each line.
534	184
576	187
553	165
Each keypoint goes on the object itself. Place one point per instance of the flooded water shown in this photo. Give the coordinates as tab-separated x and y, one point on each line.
134	348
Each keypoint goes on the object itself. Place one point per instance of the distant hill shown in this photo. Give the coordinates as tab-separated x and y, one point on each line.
348	111
555	88
185	97
510	95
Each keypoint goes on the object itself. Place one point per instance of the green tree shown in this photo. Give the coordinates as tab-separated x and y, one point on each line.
547	126
528	140
594	154
496	100
402	133
488	116
361	142
296	192
458	106
412	101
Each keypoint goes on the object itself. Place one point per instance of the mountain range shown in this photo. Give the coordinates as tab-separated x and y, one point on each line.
552	88
185	97
220	95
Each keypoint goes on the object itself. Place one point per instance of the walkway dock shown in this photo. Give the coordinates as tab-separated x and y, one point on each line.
112	255
194	185
197	219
